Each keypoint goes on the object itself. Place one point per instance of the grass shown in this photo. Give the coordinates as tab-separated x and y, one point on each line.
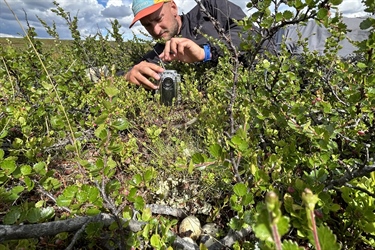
21	42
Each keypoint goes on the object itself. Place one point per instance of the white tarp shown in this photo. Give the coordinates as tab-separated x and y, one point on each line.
317	35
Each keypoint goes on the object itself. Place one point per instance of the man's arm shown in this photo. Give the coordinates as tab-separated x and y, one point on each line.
226	13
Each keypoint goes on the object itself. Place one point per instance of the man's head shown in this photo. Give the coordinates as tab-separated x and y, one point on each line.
159	17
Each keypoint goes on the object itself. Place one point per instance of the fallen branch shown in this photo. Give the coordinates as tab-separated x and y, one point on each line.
167	210
231	238
16	232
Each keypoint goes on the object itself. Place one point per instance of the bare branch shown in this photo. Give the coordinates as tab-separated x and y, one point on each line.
15	232
167	210
231	238
349	175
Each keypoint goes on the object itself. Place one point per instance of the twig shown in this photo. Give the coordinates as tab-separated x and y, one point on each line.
76	236
348	176
50	196
110	205
360	189
233	92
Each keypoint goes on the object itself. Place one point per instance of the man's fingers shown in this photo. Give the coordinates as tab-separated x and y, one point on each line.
142	73
182	49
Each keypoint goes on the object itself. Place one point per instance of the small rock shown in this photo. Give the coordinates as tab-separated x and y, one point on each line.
210	229
208	240
190	227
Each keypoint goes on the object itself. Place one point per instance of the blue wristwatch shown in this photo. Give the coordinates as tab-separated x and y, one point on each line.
207	53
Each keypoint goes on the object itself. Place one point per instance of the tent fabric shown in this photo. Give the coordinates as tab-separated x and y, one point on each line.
317	35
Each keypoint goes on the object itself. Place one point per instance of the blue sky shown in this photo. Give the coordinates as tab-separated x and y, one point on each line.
95	15
103	2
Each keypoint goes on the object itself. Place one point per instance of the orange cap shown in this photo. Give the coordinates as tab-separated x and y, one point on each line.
142	8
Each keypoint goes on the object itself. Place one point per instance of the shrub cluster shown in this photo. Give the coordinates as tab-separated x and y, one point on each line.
280	151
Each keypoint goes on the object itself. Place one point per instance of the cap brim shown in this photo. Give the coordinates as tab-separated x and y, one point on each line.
146	12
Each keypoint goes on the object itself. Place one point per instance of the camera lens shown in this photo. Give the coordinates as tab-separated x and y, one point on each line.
168	83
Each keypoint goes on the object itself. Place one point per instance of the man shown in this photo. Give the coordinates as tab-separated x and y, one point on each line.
182	35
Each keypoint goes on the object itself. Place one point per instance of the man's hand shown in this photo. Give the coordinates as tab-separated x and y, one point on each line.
141	73
182	49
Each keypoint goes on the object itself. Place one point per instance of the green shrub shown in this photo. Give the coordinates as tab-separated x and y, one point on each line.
283	148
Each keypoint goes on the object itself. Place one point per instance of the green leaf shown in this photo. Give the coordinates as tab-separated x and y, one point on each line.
101	132
3	134
335	2
9	166
148	175
26	169
33	215
279	17
215	150
155	241
367	23
93	194
127	213
369	227
29	183
92	211
94	228
146	214
57	122
247	199
322	13
121	124
17	189
262	227
146	231
197	158
235	223
81	196
12	216
289	245
40	168
327	239
240	189
47	213
137	179
111	163
283	225
139	203
287	14
247	217
1	154
67	196
102	118
111	91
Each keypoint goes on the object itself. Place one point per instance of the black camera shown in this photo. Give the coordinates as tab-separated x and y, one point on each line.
169	87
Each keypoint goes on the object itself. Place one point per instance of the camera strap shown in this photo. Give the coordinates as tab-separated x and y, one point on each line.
161	62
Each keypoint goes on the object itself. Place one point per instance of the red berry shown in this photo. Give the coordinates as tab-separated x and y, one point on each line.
291	190
361	132
318	213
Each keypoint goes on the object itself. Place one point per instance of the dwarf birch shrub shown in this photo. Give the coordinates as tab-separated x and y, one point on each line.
281	148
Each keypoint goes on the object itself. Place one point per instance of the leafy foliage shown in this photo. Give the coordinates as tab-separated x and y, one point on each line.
284	145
